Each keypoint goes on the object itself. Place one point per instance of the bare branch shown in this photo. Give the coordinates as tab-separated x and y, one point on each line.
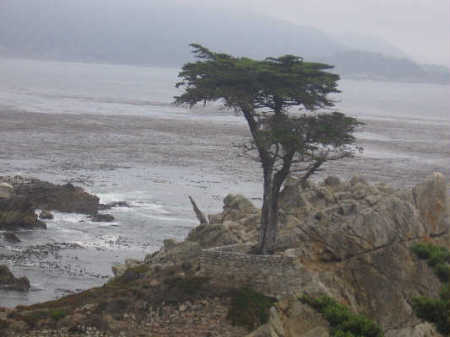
198	213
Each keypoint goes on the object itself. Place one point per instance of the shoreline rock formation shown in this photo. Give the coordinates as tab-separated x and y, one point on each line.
21	196
9	282
348	240
52	197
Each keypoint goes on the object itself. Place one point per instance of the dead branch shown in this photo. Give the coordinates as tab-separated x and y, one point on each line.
198	213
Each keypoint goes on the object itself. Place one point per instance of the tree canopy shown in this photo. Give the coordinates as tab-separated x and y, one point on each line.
265	92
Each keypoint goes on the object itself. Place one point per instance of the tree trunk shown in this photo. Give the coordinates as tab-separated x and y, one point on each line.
270	210
269	216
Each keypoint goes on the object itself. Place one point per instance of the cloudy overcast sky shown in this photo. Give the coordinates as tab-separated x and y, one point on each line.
421	28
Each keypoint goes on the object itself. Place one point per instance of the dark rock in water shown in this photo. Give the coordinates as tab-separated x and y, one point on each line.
102	218
10	282
11	237
18	212
46	215
44	195
110	205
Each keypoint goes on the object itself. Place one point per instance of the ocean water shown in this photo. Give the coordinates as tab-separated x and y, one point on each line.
113	130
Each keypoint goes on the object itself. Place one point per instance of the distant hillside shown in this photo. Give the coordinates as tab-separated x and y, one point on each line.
158	33
363	64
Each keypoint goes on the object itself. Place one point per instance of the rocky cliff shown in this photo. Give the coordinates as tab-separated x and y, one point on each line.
349	241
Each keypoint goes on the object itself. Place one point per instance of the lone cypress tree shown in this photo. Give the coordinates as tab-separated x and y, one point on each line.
263	91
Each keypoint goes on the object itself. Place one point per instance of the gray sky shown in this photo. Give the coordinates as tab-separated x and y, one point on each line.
421	28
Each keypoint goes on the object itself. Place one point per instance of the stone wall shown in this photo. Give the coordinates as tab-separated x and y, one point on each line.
273	275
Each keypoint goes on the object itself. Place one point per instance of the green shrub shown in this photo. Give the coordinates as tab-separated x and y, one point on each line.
436	311
437	257
57	314
343	322
249	308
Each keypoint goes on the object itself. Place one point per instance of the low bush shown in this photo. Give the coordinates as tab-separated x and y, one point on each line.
437	258
436	311
249	308
343	322
56	315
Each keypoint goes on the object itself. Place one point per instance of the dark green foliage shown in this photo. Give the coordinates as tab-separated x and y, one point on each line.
57	314
249	308
437	257
343	322
436	311
188	286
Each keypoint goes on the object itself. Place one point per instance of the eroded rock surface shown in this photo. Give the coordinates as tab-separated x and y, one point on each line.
52	197
349	240
18	212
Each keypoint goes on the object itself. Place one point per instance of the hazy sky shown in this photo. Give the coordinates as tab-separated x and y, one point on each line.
421	28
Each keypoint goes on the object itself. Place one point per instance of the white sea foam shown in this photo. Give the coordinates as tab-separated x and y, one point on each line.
106	241
156	208
106	198
59	217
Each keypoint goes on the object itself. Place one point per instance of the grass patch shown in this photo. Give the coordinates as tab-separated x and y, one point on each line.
436	311
343	322
249	308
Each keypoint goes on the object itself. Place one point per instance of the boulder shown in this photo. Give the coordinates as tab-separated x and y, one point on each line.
332	181
11	237
48	196
212	235
17	213
10	282
236	206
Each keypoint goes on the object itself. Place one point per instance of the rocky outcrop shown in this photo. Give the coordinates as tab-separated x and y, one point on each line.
20	197
431	199
352	242
10	282
291	318
18	212
349	240
52	197
11	237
